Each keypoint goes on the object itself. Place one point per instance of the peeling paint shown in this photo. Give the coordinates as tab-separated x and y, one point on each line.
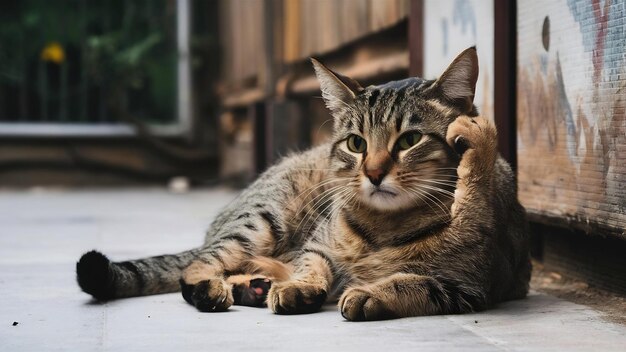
572	111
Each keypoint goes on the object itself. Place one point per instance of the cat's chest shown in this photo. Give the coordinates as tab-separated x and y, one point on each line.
362	262
367	265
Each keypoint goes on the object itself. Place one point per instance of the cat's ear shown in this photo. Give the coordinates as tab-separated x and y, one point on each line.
458	83
338	91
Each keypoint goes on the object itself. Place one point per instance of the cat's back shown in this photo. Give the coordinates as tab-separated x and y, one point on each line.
285	196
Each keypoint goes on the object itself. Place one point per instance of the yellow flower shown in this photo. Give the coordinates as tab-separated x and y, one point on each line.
53	52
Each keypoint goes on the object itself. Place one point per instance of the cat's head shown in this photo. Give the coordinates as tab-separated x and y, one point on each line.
389	140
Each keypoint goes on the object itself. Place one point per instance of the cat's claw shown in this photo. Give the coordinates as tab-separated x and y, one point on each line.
460	145
477	132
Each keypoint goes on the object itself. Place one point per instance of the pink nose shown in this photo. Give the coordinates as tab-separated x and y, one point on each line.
375	175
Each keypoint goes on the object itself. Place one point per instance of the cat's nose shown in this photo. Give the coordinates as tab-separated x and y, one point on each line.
375	175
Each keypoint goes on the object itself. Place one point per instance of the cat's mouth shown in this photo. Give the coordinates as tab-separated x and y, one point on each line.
382	192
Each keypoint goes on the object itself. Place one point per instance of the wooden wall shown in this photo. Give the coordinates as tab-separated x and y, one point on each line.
242	40
289	31
270	96
571	112
314	27
451	27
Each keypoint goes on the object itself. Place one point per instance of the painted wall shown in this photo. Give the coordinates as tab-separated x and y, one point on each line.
572	111
452	26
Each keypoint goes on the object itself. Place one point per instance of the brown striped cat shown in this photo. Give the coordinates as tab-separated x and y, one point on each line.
408	211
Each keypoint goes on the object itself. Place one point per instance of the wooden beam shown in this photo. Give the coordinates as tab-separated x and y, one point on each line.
361	71
505	97
416	38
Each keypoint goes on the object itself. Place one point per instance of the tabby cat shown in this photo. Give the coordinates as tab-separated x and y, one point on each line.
408	211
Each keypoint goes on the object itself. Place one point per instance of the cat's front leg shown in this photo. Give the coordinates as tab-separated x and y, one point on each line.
475	138
407	295
308	288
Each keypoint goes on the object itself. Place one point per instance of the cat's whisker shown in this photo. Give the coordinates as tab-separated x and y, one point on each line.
337	198
335	191
332	213
318	201
310	169
317	186
323	183
431	187
336	211
322	125
434	199
410	196
437	201
420	195
436	172
417	180
437	189
319	198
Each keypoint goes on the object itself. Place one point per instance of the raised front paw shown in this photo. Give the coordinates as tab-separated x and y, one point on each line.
296	297
213	295
358	304
475	138
472	133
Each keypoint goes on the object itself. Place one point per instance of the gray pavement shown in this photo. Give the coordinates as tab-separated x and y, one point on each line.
42	234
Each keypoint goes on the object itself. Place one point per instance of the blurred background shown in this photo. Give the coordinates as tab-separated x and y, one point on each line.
190	92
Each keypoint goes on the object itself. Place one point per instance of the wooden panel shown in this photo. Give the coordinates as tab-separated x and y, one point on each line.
572	112
452	26
307	28
416	38
242	39
316	27
385	13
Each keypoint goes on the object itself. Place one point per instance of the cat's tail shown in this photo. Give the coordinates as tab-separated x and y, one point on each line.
106	280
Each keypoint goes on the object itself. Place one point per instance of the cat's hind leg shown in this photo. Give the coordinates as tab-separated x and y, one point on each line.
204	284
250	290
204	287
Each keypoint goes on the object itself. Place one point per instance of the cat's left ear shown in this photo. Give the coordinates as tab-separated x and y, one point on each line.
337	90
458	83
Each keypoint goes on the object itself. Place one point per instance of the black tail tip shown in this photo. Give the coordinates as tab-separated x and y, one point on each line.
94	275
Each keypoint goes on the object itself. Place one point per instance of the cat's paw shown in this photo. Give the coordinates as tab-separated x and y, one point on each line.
358	304
252	293
476	139
296	297
472	133
213	295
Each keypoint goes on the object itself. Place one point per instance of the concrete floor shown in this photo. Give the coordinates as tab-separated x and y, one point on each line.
42	234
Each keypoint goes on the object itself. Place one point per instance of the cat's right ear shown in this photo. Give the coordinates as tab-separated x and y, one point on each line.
338	91
458	83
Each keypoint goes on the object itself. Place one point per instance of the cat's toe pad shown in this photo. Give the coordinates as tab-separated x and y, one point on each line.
252	293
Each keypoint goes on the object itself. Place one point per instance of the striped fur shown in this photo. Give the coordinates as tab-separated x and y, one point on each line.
440	231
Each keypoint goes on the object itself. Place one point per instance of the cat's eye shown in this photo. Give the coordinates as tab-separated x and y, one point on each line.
356	144
408	140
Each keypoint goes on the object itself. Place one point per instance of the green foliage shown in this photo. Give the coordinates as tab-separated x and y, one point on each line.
126	48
